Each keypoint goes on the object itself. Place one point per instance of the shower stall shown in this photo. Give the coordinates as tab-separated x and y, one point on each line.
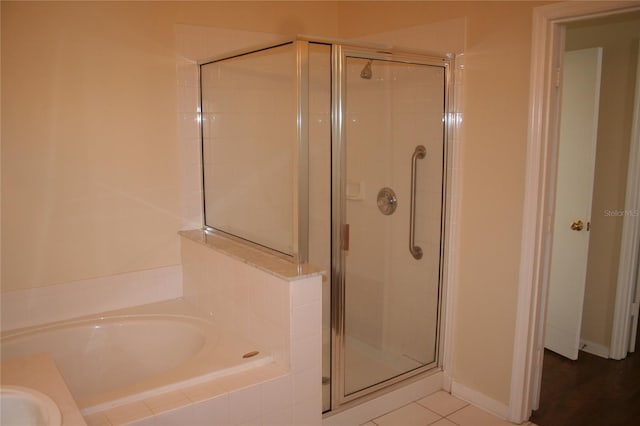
336	154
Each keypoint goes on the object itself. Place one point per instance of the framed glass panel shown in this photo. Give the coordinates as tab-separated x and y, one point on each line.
393	202
249	141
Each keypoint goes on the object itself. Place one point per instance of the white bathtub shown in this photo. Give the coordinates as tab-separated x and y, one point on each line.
128	355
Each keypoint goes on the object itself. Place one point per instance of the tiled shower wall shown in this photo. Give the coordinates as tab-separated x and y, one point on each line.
198	43
392	297
246	300
195	44
447	37
249	145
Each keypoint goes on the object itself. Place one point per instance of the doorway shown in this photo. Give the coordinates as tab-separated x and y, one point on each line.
549	32
580	383
611	46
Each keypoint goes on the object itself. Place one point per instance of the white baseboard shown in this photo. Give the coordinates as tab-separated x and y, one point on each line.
41	305
447	381
594	348
480	400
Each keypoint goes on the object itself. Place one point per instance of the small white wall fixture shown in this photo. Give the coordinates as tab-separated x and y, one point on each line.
546	50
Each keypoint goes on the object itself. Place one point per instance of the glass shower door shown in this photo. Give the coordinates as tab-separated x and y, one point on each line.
393	129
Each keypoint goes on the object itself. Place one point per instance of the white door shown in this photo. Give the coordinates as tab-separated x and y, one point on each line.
576	163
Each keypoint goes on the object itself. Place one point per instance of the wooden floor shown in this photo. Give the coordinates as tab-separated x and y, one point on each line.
590	391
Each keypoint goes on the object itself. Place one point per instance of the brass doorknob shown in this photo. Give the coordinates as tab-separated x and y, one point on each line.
577	225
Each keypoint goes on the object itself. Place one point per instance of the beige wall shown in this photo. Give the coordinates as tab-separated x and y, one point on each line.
496	88
0	148
493	154
619	39
88	144
90	172
90	180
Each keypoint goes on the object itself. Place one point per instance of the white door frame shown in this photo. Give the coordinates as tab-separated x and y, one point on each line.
546	50
628	267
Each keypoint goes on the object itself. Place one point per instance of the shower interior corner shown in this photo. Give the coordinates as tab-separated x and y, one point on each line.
342	149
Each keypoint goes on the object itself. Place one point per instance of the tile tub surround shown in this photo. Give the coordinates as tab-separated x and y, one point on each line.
259	295
115	358
30	307
259	396
257	258
272	302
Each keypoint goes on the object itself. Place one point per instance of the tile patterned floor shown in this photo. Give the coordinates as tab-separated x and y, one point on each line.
439	409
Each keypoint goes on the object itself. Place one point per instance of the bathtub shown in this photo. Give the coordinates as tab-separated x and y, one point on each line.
129	355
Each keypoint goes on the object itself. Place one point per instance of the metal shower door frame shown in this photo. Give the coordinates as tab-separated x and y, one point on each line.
300	196
339	55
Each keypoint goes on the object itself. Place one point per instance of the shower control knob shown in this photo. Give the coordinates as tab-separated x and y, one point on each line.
387	201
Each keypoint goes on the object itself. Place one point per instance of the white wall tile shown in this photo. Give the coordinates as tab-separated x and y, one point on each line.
277	394
23	308
307	385
278	417
262	306
305	291
308	413
270	337
306	320
204	391
180	416
306	352
222	286
97	419
128	413
167	401
212	412
269	299
245	405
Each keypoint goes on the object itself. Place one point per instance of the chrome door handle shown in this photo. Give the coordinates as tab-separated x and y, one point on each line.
419	153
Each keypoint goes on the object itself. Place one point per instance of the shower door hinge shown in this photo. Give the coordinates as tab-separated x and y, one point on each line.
345	237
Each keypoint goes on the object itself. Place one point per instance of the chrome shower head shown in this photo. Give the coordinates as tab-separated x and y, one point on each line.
366	71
